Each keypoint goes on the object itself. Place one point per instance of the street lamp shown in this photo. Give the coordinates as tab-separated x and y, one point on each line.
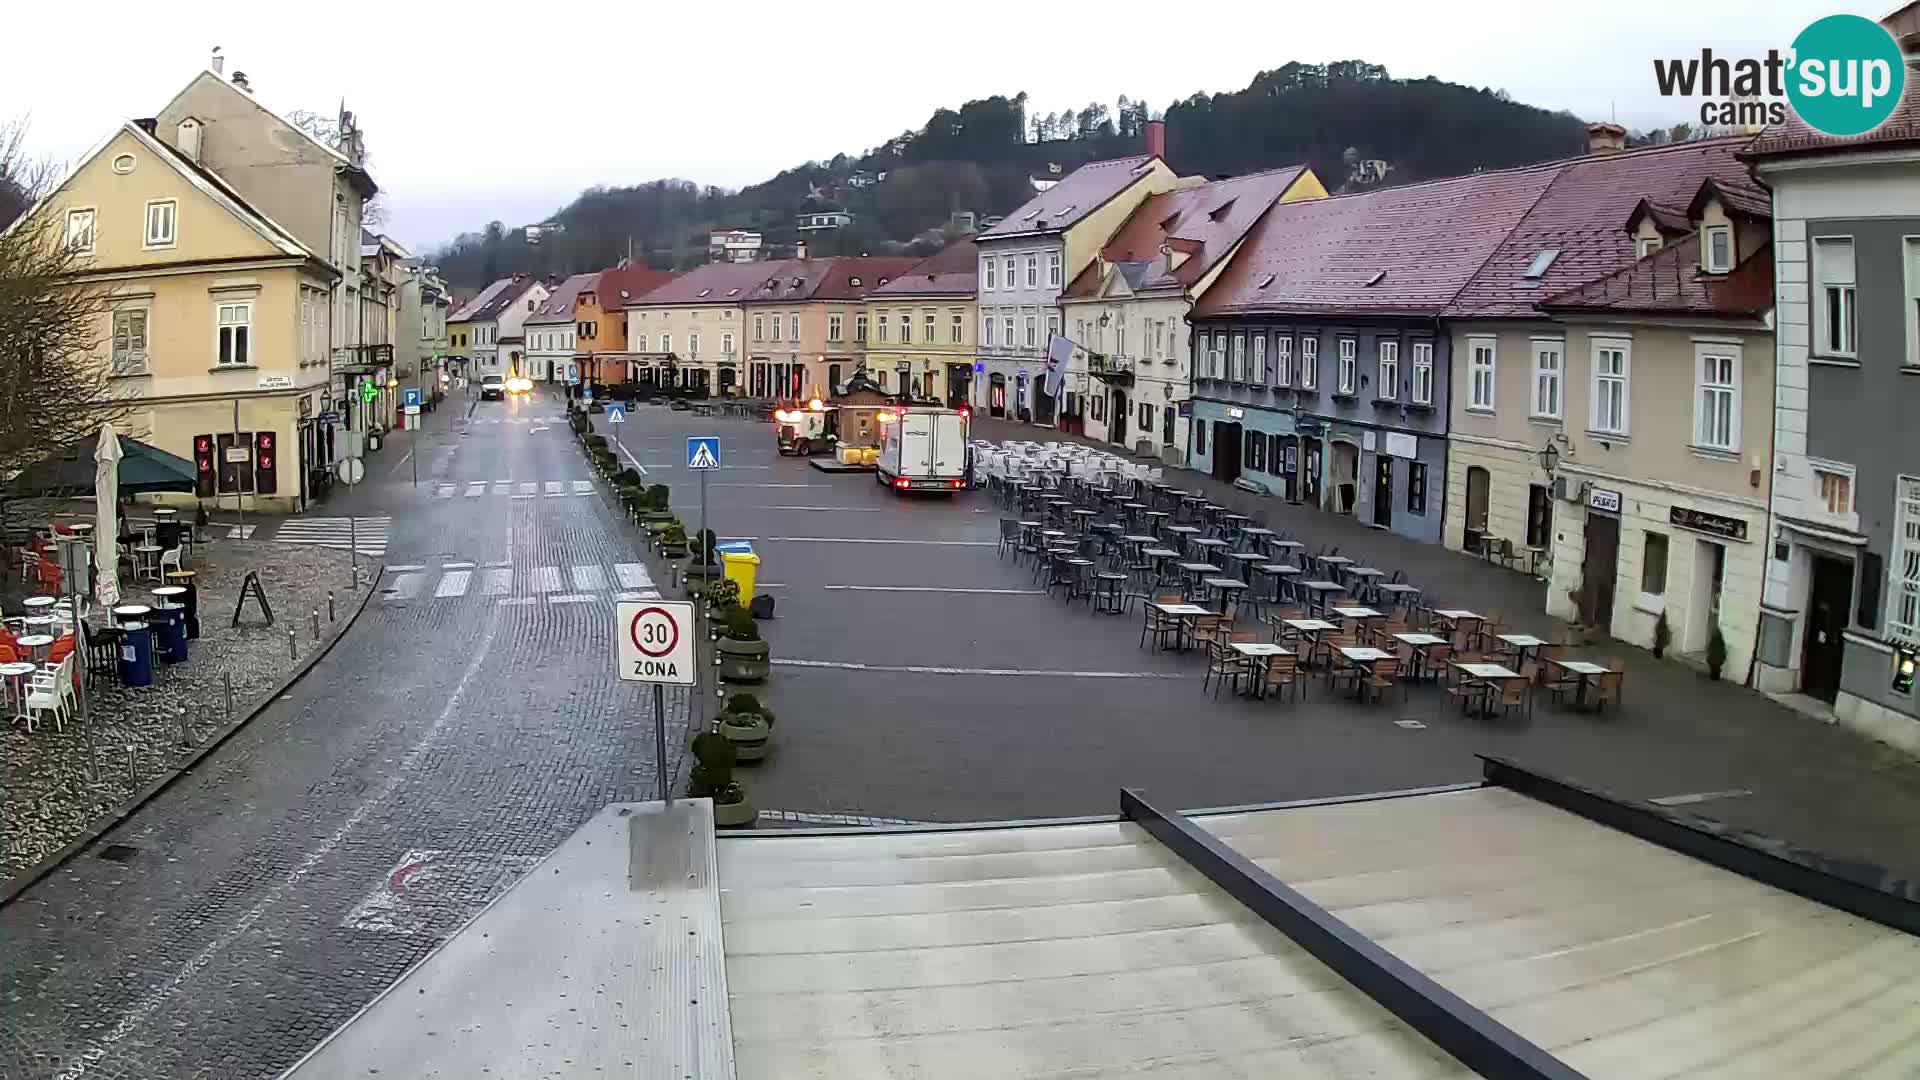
1549	457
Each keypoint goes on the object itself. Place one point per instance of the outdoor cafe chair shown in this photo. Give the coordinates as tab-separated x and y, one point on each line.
1284	671
1384	675
1009	538
1513	694
1225	662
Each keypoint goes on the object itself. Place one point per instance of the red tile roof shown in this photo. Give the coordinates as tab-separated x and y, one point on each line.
714	283
802	280
953	269
1670	281
1793	137
1583	214
558	306
1320	255
499	296
1214	217
1078	194
624	284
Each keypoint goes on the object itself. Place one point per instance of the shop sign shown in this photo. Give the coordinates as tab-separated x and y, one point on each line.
1234	412
275	382
1730	528
1602	499
306	406
1367	441
1402	445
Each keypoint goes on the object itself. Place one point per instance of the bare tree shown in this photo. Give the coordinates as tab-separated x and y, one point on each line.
55	388
327	129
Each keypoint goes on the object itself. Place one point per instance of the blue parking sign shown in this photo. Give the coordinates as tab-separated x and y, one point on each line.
410	396
703	451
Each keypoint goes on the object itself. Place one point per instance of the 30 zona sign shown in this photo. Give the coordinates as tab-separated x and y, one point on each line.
653	642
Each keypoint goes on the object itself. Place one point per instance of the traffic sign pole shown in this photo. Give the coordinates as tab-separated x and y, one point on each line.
660	743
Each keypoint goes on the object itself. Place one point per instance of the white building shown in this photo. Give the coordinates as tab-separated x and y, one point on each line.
552	333
496	322
733	245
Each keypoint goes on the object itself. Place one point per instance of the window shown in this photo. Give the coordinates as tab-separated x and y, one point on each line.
1716	408
640	343
1212	343
693	344
1146	418
666	343
993	274
1833	489
1033	271
956	332
1539	516
1612	367
881	378
1007	325
1259	375
161	217
1389	384
1911	358
1903	571
1417	487
1718	249
1033	331
1006	273
80	232
1653	568
793	328
1834	281
880	329
1053	328
1254	452
1159	340
1167	416
1423	373
1053	269
1309	362
1199	436
1480	374
930	324
726	344
235	327
1120	339
986	331
1546	378
860	328
1349	364
1096	407
1646	246
1283	360
906	327
130	340
773	327
835	327
759	328
1237	359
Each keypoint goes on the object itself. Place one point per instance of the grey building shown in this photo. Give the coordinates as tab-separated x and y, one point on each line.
1841	609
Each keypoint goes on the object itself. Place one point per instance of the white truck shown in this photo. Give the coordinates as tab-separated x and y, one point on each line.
923	449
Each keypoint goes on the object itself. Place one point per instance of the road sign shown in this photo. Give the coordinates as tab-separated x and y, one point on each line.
329	417
350	470
586	394
616	414
653	642
703	451
412	410
410	397
237	455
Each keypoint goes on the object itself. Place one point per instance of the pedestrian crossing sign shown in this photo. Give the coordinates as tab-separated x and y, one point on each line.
616	414
703	451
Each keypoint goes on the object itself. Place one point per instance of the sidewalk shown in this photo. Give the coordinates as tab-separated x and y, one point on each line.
1816	786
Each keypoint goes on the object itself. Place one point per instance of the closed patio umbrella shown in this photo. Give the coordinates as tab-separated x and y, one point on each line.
106	510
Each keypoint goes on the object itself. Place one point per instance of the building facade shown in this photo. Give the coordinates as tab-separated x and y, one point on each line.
213	317
495	321
555	332
686	333
601	311
805	323
934	300
1842	604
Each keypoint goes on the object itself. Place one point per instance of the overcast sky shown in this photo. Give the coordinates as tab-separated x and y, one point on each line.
471	116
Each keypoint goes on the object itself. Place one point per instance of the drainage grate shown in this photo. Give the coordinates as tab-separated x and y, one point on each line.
119	853
1409	724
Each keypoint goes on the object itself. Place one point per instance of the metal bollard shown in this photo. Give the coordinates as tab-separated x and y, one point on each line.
330	614
133	764
186	729
229	680
293	646
316	624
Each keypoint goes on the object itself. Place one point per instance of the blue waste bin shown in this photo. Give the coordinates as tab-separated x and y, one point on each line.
170	628
136	655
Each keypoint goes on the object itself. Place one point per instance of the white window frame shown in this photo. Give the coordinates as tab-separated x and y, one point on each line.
1549	380
793	328
906	328
773	327
986	331
880	327
726	343
1829	290
666	343
1033	271
1903	562
1053	328
1258	375
1816	502
1006	324
931	324
91	229
1120	339
957	328
836	326
1283	359
1008	268
993	273
1601	379
1483	369
1053	269
1347	373
860	328
1237	357
1387	385
1646	246
1423	373
132	361
1215	344
693	344
1722	358
1707	236
1310	362
640	343
220	330
172	220
759	328
1910	251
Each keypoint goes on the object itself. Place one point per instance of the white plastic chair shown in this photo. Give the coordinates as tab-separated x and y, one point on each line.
168	558
49	690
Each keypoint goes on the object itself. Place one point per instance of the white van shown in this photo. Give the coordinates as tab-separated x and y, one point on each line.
924	449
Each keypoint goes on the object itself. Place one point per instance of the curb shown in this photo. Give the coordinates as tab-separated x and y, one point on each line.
20	883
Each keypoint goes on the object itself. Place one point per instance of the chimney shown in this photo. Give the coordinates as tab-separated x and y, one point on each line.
219	62
187	139
1606	138
800	250
240	80
1157	138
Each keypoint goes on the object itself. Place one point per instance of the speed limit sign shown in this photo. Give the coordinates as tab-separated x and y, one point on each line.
653	642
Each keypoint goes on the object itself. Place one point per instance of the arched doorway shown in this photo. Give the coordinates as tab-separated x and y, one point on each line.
1344	476
1117	417
1478	483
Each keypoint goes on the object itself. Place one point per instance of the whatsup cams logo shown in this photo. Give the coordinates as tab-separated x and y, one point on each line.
1843	76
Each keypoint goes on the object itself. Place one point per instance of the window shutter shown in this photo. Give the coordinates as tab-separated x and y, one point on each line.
1872	572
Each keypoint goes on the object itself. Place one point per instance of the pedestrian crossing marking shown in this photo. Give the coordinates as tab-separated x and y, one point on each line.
367	535
583	487
498	583
589	578
581	584
406	585
453	583
632	575
443	491
241	532
528	489
643	594
524	489
476	489
555	487
572	598
546	579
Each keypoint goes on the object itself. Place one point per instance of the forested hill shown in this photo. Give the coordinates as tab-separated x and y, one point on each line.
1346	119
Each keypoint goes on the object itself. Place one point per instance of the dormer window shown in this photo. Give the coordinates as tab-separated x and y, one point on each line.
704	293
1064	211
1221	211
1377	278
1716	249
854	281
1542	262
883	281
730	292
1030	215
1265	280
1646	246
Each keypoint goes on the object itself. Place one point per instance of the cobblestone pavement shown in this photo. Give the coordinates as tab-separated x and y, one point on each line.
437	752
58	782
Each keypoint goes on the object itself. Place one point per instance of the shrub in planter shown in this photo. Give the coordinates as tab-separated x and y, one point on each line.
724	594
596	443
748	724
1716	653
744	657
1662	636
628	478
659	497
713	779
673	540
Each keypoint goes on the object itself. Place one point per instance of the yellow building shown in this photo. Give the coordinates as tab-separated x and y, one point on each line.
214	316
919	327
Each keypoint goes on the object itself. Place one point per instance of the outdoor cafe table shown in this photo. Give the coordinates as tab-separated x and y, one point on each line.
1451	618
1489	674
1421	642
1333	563
1279	572
1318	587
1582	670
1397	593
1207	545
14	678
38	622
1363	577
1363	657
1246	559
36	643
131	613
1309	630
1359	613
1186	613
1196	571
1160	557
1256	535
1283	549
1223	590
1522	643
38	605
1260	654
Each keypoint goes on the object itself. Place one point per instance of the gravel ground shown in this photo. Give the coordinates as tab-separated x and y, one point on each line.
58	783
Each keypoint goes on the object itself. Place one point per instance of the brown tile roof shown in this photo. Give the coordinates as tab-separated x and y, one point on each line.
1398	250
495	299
1793	137
1582	215
1213	217
1078	194
624	284
1670	281
953	269
828	279
714	283
558	306
1668	220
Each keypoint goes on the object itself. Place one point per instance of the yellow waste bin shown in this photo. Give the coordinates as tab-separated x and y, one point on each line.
741	566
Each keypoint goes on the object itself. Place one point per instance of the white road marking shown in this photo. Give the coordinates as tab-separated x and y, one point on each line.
922	669
499	582
831	509
929	588
632	575
146	1006
476	488
631	460
861	540
589	578
453	583
643	594
456	566
546	579
403	569
571	598
443	491
1699	797
583	487
241	532
406	585
518	601
555	487
528	489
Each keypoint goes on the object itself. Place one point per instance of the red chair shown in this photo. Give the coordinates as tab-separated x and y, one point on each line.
50	575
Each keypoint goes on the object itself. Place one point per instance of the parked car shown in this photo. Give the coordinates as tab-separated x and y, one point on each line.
493	388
